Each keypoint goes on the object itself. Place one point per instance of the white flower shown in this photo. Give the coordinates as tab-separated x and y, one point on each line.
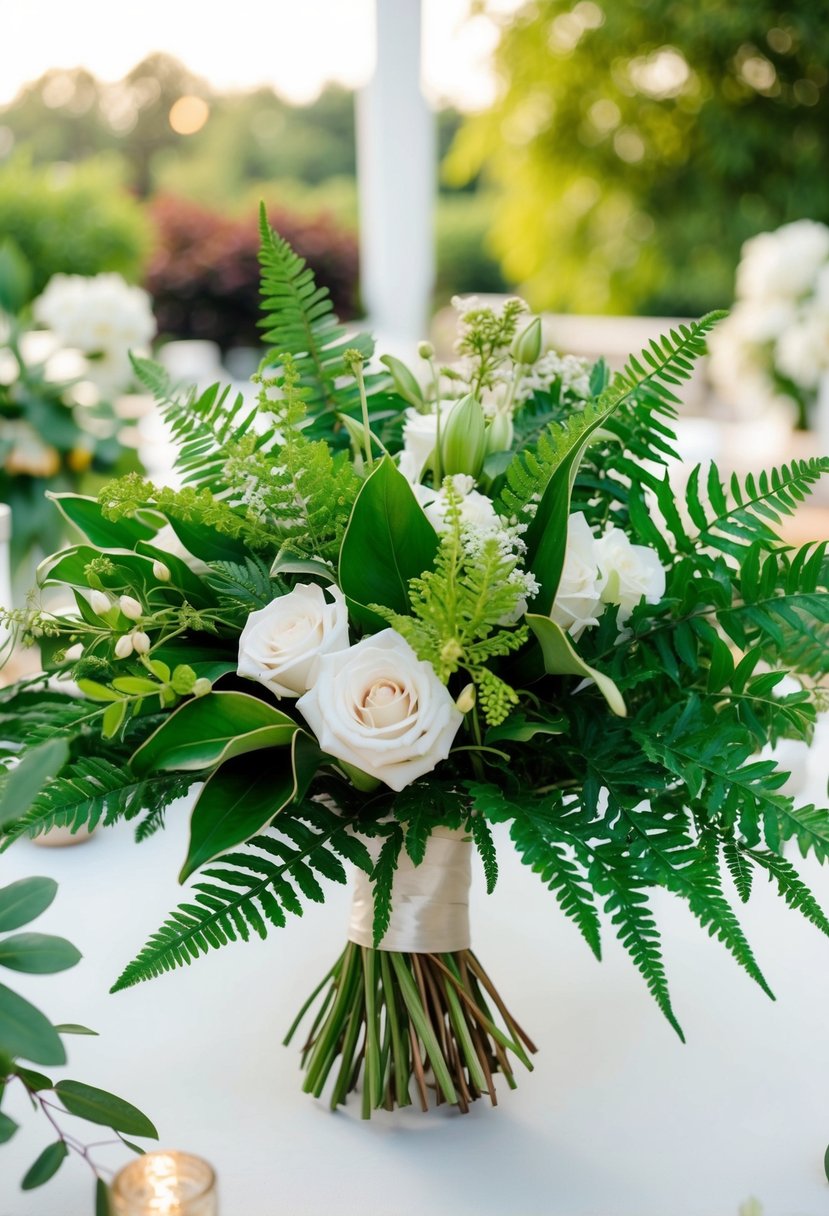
281	643
782	263
419	438
74	653
476	510
802	351
140	641
99	602
161	572
578	601
123	647
130	607
630	572
378	707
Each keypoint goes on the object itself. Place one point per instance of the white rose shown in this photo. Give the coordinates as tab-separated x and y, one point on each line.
476	509
281	643
378	707
802	351
630	572
579	596
419	438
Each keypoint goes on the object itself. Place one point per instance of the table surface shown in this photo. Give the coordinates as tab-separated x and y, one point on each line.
618	1119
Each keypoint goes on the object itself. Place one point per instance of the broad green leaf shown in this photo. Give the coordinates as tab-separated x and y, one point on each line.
38	953
33	1080
85	513
209	730
207	544
25	1032
240	798
112	718
45	1167
521	729
197	591
102	1207
7	1128
285	563
24	900
98	1106
388	541
98	692
560	659
24	782
546	537
74	1028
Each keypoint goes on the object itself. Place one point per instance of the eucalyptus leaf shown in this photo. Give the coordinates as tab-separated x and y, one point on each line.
74	1028
209	730
38	953
7	1128
99	1106
45	1167
24	782
23	901
26	1032
102	1207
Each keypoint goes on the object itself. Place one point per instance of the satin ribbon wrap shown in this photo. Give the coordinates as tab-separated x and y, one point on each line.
430	902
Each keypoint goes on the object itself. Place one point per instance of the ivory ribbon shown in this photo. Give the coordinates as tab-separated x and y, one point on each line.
430	902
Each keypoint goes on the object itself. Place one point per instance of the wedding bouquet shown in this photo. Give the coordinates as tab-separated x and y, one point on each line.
773	349
58	427
380	618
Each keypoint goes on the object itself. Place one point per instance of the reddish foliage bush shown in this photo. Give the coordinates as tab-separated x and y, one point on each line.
204	274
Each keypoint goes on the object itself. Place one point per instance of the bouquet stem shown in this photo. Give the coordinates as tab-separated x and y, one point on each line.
409	1022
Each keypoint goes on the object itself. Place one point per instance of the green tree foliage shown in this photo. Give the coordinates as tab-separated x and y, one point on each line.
79	220
636	146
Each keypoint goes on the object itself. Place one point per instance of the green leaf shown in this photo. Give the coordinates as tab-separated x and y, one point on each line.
560	659
98	1106
98	692
45	1167
24	782
33	1080
85	513
112	719
209	730
24	900
15	277
25	1032
239	799
38	953
7	1128
388	523
102	1207
520	729
74	1028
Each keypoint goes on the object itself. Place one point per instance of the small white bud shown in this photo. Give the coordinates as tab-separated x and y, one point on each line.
140	641
74	653
202	687
123	647
130	607
100	603
161	572
426	350
466	700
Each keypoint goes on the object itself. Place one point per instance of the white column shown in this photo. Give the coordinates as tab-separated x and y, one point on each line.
396	169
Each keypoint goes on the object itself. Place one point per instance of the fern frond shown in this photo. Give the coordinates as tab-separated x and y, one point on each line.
252	888
791	886
482	838
299	320
93	790
383	878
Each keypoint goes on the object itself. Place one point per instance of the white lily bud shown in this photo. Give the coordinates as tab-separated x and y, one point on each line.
463	442
131	607
140	641
466	700
526	346
404	381
74	653
123	647
499	434
100	603
202	687
161	572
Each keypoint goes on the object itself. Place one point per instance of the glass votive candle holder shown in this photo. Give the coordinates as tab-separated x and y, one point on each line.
165	1184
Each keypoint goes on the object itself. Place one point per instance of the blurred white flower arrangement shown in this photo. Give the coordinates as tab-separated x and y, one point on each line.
772	352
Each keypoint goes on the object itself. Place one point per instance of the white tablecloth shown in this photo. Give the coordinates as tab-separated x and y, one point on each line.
618	1119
